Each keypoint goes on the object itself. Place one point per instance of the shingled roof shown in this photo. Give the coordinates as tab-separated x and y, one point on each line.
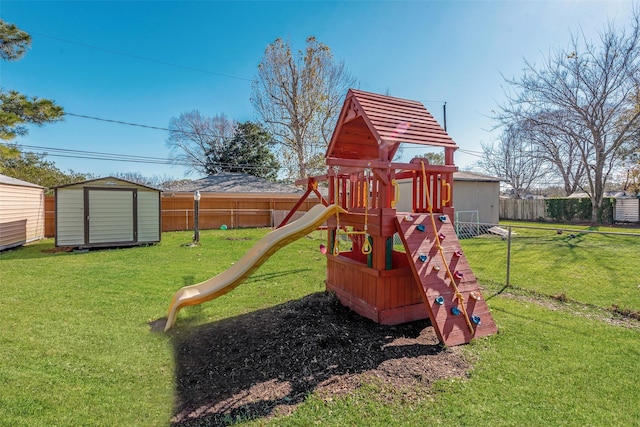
372	126
228	182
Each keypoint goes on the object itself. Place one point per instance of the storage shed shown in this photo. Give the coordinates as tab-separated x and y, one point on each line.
476	197
107	212
21	212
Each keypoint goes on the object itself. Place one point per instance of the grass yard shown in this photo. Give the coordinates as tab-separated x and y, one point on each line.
78	345
596	269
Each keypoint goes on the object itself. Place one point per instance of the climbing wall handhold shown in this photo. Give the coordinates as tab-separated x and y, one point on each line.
458	275
436	267
442	218
423	258
420	227
475	296
408	218
475	319
455	311
457	254
439	300
441	236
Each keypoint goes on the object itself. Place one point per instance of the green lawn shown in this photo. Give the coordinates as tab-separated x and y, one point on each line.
79	347
596	269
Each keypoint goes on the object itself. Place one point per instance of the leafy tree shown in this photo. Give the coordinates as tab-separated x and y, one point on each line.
17	109
33	167
591	88
433	158
193	138
248	151
298	97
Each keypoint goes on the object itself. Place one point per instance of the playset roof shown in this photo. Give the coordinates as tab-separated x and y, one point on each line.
372	126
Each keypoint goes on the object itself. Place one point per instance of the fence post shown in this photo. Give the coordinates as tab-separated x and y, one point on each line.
508	257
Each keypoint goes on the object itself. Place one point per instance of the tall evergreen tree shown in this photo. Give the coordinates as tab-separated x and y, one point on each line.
248	151
16	109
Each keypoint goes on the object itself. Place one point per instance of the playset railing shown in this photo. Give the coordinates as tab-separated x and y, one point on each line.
355	184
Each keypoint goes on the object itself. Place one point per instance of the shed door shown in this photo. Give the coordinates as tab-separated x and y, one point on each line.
111	216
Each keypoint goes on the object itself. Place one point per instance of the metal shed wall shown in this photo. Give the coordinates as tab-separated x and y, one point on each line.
21	213
627	210
107	212
468	195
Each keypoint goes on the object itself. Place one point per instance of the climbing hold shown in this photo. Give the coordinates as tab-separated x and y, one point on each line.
408	218
475	319
423	258
441	236
323	249
223	227
439	300
475	296
420	227
455	311
436	267
458	275
442	218
457	254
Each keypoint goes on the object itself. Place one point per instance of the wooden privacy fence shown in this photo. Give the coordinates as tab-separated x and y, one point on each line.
624	210
523	209
215	210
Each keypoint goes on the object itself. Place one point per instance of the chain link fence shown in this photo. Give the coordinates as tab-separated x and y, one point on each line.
589	265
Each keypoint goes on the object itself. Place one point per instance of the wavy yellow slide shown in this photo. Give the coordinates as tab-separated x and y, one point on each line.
258	254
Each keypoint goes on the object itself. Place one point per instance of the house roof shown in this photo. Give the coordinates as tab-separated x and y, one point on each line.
372	126
473	176
228	182
89	181
4	179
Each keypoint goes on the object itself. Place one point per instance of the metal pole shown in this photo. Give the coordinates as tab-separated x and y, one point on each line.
196	217
508	258
444	112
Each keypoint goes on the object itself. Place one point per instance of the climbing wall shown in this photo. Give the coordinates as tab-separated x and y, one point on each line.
447	313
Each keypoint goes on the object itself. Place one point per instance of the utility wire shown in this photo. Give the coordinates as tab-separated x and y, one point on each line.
115	52
120	122
95	155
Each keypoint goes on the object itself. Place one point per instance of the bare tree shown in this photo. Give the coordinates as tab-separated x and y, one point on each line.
299	97
560	149
193	138
592	87
514	160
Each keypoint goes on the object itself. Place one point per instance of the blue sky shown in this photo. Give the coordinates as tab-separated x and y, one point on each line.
145	62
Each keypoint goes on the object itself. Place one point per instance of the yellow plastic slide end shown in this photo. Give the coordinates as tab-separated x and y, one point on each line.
254	258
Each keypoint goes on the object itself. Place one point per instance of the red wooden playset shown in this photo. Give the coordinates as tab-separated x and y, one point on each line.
431	277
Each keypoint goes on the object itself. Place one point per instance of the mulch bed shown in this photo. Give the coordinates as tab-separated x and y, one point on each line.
263	364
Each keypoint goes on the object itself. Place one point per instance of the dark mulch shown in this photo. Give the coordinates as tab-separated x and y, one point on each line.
265	363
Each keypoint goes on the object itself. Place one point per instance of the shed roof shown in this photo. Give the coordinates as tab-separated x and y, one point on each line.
229	182
473	176
372	126
4	179
89	181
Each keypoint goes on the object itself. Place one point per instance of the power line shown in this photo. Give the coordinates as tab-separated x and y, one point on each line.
120	122
117	121
95	155
115	52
